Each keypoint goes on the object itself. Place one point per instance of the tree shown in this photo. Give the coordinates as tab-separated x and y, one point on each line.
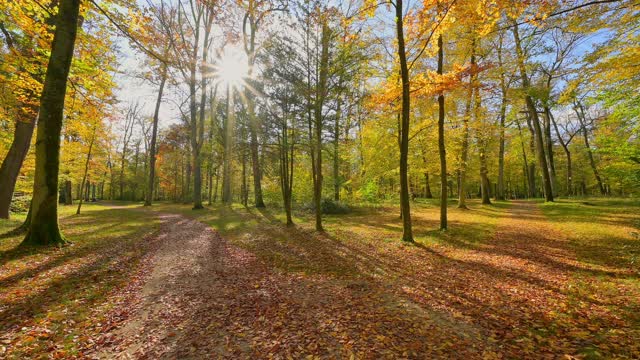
533	116
44	228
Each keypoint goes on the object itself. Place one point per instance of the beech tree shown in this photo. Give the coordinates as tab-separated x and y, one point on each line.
44	229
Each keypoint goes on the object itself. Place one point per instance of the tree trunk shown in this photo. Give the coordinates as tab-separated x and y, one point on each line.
154	136
462	193
585	134
485	184
533	114
549	149
441	147
244	194
427	186
336	154
193	111
12	163
215	191
250	46
565	147
321	89
405	207
500	192
44	228
226	155
286	148
68	196
86	167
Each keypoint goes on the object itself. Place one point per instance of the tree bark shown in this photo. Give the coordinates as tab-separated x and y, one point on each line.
44	228
10	168
549	149
154	136
500	193
405	206
336	154
462	175
193	111
441	144
250	49
578	108
321	89
533	114
227	128
86	167
565	147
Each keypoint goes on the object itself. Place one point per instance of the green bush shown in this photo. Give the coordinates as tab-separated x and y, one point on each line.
370	192
330	206
20	204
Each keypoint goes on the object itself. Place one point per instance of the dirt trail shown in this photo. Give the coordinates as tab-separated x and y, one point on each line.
205	298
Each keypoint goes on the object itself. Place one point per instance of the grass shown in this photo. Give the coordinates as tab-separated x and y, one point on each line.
53	301
301	249
604	234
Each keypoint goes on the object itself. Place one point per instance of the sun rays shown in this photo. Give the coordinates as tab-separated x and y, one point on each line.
231	68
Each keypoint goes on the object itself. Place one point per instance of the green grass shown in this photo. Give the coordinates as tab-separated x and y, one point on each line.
603	233
365	229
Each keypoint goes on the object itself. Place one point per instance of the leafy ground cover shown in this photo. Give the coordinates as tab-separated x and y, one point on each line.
511	280
53	302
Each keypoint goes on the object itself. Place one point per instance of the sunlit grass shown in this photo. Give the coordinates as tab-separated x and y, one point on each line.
603	233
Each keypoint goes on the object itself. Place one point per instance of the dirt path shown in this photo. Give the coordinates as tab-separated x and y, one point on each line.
206	298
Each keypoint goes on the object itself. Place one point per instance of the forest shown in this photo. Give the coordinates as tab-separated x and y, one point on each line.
320	179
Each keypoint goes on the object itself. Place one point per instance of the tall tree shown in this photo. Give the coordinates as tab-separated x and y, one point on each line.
44	228
532	113
405	207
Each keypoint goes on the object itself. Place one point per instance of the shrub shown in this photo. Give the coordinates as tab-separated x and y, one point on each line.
330	206
20	204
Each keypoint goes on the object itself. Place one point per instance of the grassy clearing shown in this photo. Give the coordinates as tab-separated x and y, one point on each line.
53	301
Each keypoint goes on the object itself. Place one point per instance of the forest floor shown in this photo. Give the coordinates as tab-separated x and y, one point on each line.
511	280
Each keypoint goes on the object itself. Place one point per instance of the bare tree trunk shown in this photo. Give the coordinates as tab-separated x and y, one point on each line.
215	192
500	193
427	186
549	149
244	193
193	123
250	48
68	199
485	185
